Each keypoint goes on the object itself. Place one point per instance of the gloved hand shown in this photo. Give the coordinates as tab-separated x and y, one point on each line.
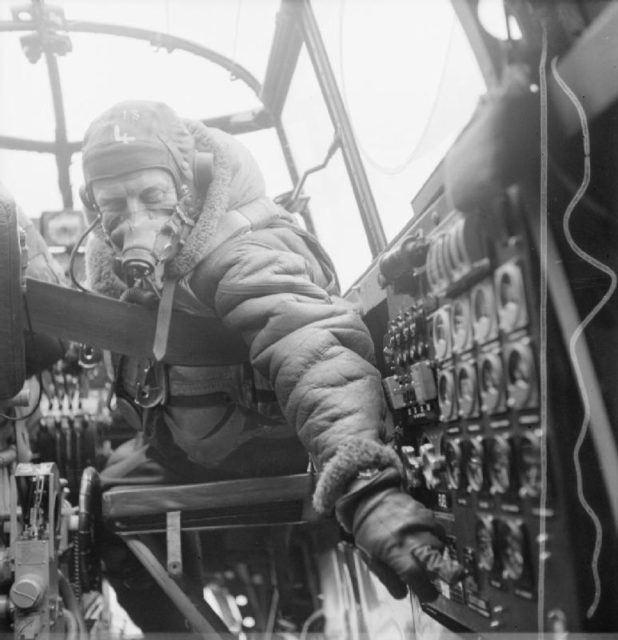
397	536
42	351
137	295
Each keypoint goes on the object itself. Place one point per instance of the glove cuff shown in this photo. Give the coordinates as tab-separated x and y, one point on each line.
352	457
364	489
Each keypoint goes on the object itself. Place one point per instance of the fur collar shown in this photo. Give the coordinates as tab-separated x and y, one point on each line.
237	182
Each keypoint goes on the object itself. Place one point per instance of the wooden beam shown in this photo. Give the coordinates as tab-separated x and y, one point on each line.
128	329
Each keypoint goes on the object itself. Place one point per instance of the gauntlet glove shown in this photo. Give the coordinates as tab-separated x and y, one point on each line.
136	295
397	536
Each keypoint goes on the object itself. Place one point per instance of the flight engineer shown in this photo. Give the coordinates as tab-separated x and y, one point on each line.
184	221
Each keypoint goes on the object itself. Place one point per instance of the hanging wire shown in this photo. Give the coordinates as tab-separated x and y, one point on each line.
543	228
38	376
75	252
371	160
566	221
318	613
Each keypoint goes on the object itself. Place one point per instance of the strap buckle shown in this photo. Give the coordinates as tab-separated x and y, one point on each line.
151	388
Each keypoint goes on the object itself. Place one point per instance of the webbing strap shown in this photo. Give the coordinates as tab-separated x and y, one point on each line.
164	318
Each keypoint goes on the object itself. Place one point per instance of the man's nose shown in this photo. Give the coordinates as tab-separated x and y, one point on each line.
136	211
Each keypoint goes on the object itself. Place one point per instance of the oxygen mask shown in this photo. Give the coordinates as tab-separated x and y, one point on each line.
145	239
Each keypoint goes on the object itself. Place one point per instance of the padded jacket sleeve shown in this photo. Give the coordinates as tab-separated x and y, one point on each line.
313	348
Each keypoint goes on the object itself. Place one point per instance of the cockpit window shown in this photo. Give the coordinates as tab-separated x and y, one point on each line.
103	69
194	87
266	149
239	30
409	81
24	85
333	207
405	70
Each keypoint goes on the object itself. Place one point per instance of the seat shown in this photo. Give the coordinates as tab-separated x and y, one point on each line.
134	509
181	511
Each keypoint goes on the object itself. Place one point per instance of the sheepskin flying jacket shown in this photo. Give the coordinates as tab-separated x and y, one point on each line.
248	263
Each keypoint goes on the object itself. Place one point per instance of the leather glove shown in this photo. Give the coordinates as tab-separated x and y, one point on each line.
42	351
397	536
136	295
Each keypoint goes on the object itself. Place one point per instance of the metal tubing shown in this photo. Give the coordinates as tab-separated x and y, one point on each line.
168	42
156	38
351	155
39	146
208	628
283	57
63	153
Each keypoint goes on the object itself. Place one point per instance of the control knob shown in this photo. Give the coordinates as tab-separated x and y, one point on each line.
433	465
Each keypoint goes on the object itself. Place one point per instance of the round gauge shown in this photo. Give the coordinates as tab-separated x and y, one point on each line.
457	248
441	333
530	470
460	323
455	257
432	275
499	464
511	549
446	395
520	374
62	228
491	382
452	458
483	309
485	544
441	263
511	299
474	464
467	387
448	259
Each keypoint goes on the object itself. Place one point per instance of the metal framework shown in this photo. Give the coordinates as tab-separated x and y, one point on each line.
296	25
62	148
334	102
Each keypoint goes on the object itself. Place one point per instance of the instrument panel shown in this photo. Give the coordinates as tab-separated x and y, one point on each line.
461	362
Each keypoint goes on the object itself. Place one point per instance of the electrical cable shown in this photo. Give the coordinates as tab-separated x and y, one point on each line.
75	251
318	613
580	329
38	376
272	614
569	184
235	40
72	604
543	286
71	624
34	408
399	168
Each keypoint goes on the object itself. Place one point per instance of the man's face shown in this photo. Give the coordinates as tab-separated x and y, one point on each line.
145	197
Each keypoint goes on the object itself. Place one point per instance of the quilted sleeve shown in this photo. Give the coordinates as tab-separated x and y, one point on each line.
313	348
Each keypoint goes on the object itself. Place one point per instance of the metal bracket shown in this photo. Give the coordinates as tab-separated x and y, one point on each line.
202	619
174	545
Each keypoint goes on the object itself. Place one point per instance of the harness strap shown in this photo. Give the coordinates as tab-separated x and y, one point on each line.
164	317
217	398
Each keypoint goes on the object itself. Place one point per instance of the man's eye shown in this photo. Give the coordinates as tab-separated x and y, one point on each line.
152	196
